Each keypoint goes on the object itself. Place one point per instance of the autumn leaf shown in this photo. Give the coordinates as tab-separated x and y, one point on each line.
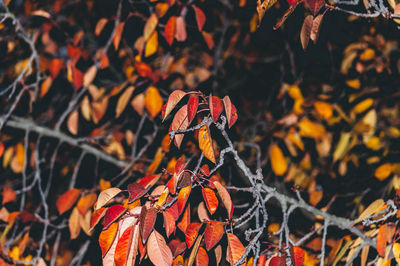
136	191
278	161
173	99
158	250
183	196
123	101
74	224
216	107
180	29
9	195
72	122
381	240
169	30
235	249
123	246
153	101
306	31
150	26
205	143
213	233
315	6
96	216
191	233
226	198
200	17
147	221
67	200
262	7
105	196
107	237
192	106
230	111
151	45
210	199
202	257
180	122
86	202
112	215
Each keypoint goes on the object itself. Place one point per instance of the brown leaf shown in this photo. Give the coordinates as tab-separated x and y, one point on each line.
180	30
123	101
306	31
180	122
315	28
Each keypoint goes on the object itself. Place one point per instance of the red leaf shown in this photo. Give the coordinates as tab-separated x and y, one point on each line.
191	233
215	107
148	181
180	33
67	200
213	233
192	105
226	198
235	249
315	6
169	31
210	199
158	250
205	170
177	247
96	217
202	257
173	100
118	34
180	122
277	261
112	214
136	191
230	110
297	255
77	78
147	221
169	222
200	17
183	196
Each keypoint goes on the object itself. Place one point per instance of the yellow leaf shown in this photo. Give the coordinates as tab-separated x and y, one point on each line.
311	129
153	101
274	227
353	83
253	23
295	92
368	54
363	106
383	171
123	101
278	161
396	252
373	143
161	9
151	45
104	184
156	162
205	143
323	109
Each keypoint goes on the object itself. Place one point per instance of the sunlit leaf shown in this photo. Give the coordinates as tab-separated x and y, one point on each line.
105	196
278	161
147	221
173	99
67	200
153	101
210	199
202	257
112	214
235	249
205	143
213	233
225	197
183	196
158	250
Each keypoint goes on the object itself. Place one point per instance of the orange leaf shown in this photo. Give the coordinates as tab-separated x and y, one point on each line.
185	221
44	88
381	240
143	69
169	222
158	250
153	101
208	39
67	200
226	198
297	255
213	233
9	195
278	161
235	249
210	199
202	257
86	202
123	247
191	233
183	196
161	9
323	109
118	34
173	100
205	143
106	238
100	26
169	31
